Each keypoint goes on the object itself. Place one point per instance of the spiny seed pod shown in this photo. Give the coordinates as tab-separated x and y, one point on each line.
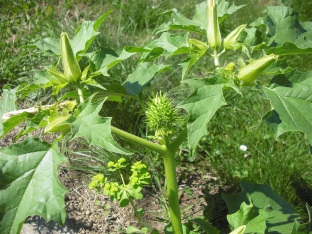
70	65
253	70
213	30
230	41
161	116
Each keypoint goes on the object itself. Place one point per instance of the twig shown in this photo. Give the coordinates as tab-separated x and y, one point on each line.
31	110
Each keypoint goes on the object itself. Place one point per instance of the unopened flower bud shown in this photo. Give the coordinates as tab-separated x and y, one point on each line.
70	64
213	30
253	70
230	41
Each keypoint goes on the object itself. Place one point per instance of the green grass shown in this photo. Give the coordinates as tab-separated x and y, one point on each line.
284	162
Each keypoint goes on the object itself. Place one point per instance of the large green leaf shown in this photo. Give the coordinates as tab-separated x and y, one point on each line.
247	215
29	184
49	45
85	34
172	44
290	95
289	35
7	104
142	76
82	40
103	60
263	197
202	104
88	124
200	20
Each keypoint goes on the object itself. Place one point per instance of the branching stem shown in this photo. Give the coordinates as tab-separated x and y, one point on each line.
168	151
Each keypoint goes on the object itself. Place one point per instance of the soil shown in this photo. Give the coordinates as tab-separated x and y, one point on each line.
88	212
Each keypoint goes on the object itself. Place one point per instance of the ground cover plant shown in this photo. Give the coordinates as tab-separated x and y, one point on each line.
81	90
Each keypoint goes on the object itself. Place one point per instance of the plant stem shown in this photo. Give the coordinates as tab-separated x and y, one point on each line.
81	98
172	190
135	211
216	58
138	140
174	146
168	151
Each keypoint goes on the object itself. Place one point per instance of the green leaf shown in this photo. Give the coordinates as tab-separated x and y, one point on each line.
280	66
200	20
226	9
123	198
290	97
303	228
139	213
142	76
264	198
289	35
189	62
7	104
82	40
180	22
26	89
14	121
242	216
132	229
290	48
172	44
49	44
103	60
33	123
85	34
201	105
88	124
29	170
206	226
247	215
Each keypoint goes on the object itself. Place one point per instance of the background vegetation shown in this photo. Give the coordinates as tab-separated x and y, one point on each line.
285	163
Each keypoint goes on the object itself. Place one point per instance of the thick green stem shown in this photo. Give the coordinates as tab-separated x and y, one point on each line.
172	190
138	140
216	58
81	98
174	146
168	151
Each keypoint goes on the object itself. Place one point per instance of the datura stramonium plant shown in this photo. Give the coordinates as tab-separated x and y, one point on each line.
161	116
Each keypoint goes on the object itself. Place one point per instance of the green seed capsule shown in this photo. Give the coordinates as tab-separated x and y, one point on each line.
70	65
161	116
253	70
213	30
230	41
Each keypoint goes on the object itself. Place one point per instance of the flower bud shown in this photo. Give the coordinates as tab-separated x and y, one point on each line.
230	67
70	65
253	70
213	30
230	41
56	124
